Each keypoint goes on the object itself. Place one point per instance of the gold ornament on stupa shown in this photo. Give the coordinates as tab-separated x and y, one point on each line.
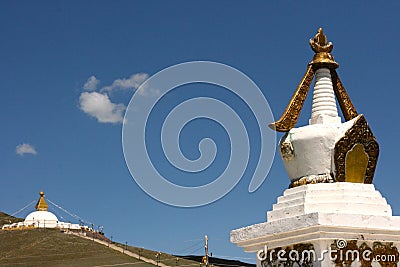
41	204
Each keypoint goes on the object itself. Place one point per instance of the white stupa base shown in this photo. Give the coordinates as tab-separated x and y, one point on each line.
340	198
320	215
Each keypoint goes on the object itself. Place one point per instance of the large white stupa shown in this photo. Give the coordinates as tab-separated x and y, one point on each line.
42	218
331	215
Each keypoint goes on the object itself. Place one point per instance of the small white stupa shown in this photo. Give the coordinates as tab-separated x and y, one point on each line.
331	215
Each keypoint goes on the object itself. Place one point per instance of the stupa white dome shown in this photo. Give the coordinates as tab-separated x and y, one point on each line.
41	219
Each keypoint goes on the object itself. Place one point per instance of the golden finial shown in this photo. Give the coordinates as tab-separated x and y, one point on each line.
322	49
320	43
41	204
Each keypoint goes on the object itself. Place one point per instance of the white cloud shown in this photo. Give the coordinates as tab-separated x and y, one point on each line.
91	83
99	106
97	103
132	82
23	149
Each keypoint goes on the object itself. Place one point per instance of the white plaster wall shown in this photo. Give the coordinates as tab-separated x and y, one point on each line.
313	147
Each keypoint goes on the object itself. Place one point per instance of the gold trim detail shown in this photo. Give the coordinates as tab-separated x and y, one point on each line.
359	133
336	253
347	107
291	114
365	261
312	179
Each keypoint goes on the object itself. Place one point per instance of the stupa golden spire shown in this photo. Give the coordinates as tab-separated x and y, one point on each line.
321	59
41	204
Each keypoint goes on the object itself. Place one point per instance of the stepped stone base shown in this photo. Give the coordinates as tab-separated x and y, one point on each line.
331	220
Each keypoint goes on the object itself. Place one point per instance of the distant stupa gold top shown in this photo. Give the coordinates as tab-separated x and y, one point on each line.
41	204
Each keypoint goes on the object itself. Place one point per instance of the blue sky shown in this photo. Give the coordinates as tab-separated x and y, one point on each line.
49	50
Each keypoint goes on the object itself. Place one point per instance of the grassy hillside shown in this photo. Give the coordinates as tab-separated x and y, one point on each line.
167	259
50	247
